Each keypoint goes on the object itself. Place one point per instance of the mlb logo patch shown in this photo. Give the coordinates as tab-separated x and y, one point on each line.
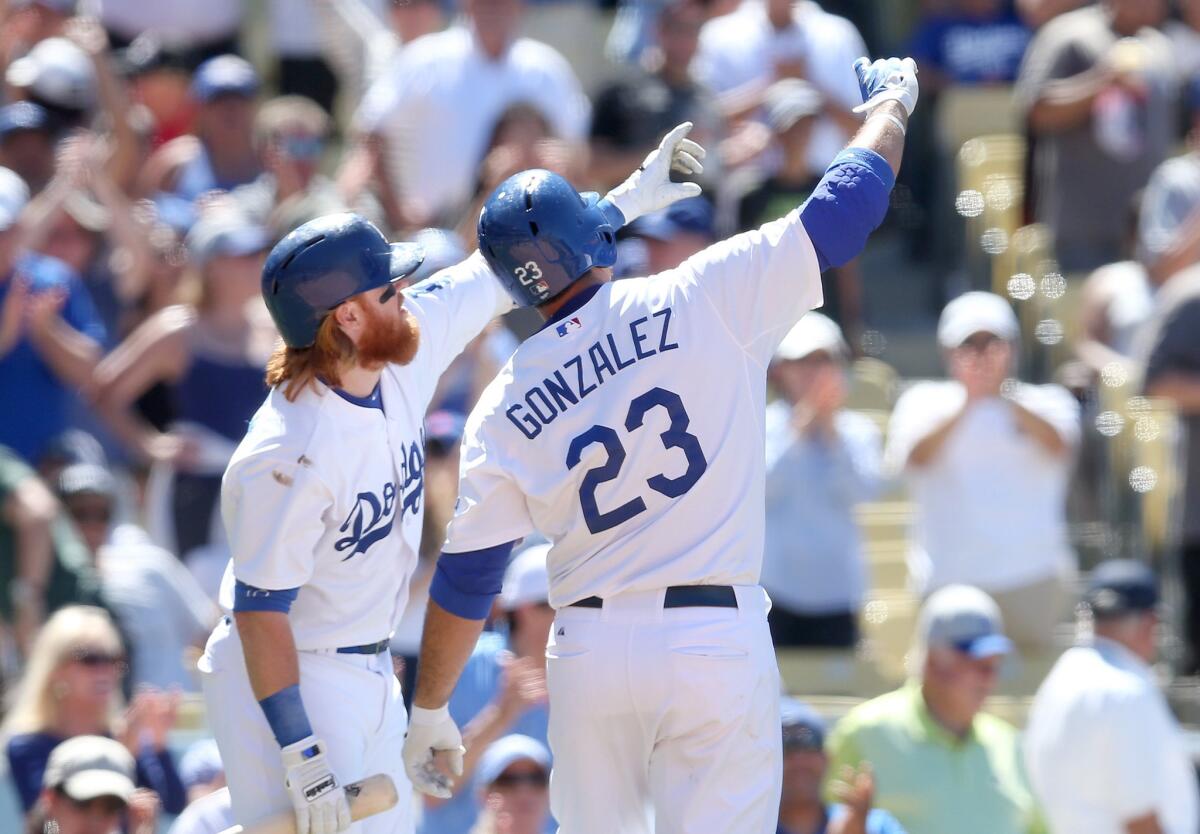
569	325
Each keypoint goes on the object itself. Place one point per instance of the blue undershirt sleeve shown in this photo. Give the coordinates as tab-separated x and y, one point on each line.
248	598
466	583
849	203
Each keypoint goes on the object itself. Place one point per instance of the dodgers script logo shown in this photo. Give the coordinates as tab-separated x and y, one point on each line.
374	514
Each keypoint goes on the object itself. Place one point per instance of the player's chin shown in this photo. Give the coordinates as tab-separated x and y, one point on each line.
395	343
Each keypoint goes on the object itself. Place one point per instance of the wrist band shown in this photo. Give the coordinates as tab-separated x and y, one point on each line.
893	119
286	716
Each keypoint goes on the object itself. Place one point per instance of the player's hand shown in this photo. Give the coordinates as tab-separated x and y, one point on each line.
649	188
888	79
433	740
319	802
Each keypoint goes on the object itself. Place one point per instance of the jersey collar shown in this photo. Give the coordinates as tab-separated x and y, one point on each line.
372	400
572	305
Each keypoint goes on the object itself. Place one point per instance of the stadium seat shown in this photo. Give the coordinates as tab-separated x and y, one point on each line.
965	113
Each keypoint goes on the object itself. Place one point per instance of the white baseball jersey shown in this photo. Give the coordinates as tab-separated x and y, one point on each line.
326	495
630	430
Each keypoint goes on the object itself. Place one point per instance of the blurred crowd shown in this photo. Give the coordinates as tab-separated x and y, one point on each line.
151	153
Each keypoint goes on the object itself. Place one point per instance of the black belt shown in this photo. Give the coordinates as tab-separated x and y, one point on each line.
683	596
368	648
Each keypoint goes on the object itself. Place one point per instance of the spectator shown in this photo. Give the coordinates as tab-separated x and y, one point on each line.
72	688
503	687
633	112
792	110
672	235
71	447
801	809
822	460
1185	39
741	54
44	564
513	783
27	143
1037	13
198	30
157	78
50	333
28	22
58	76
972	42
220	343
1173	373
433	111
988	466
1098	90
221	155
161	609
1169	222
88	788
937	759
290	133
1103	750
209	810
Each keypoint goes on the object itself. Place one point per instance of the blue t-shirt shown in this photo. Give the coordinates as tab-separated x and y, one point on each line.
477	687
972	50
878	821
36	405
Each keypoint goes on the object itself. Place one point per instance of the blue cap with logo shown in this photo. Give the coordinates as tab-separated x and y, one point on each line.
964	618
224	75
803	727
1121	586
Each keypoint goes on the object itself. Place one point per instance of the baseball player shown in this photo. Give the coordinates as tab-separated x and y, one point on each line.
323	506
629	431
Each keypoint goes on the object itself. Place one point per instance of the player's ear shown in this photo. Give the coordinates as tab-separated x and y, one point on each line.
349	318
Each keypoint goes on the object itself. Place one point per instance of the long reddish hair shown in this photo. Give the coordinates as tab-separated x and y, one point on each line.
297	368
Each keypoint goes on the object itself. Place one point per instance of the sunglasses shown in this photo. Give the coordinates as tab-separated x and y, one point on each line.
94	658
512	780
390	293
305	148
108	806
91	515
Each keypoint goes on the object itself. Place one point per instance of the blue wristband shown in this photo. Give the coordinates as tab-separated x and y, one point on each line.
285	713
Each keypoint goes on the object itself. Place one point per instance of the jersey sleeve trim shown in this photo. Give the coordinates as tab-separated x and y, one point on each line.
466	583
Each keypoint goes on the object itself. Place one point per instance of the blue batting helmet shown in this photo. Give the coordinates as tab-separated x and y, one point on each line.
539	235
324	262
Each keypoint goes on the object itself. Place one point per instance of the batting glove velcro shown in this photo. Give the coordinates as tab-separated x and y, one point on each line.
319	803
649	188
888	79
430	732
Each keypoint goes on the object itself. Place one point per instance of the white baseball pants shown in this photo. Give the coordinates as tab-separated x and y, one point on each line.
354	704
671	709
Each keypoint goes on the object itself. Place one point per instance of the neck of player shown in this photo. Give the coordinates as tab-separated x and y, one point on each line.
359	381
594	277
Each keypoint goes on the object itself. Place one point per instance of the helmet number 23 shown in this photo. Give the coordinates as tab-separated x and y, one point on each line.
531	273
675	437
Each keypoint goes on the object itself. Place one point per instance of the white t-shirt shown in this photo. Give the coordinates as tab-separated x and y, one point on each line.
438	104
738	51
210	814
317	489
990	508
630	431
1102	748
177	22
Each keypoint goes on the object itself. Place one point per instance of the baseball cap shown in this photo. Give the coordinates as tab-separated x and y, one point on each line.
1121	586
812	333
86	479
88	767
975	312
23	115
789	100
964	618
58	72
14	194
224	75
526	580
74	446
803	728
506	751
225	232
693	215
201	763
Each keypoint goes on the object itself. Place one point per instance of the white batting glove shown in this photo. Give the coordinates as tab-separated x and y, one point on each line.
432	731
319	803
649	188
888	79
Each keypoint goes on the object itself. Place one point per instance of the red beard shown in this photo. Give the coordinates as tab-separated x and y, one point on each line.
385	339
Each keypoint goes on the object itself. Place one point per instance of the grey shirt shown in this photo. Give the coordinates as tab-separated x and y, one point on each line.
1171	196
1175	348
1085	176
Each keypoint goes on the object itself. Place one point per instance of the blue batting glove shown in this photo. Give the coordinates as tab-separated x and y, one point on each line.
888	79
